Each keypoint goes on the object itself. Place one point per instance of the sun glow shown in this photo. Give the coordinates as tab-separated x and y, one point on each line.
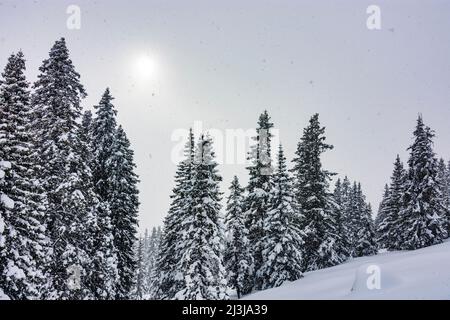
146	67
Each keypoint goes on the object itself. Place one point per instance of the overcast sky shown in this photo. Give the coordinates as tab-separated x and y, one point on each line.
224	62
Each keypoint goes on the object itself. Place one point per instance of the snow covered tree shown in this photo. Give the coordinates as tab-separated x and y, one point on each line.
311	192
361	225
202	242
282	241
102	275
422	218
124	204
238	255
389	234
23	243
141	270
258	190
366	239
381	214
103	138
339	214
57	109
170	280
5	204
151	255
443	178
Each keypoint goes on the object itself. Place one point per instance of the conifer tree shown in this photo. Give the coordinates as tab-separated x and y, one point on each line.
282	241
102	275
258	190
169	279
238	255
202	242
24	245
339	213
422	218
381	215
124	205
103	138
311	192
443	178
140	282
151	254
56	102
389	235
366	239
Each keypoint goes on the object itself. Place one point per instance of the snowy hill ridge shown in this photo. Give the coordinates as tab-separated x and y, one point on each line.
418	274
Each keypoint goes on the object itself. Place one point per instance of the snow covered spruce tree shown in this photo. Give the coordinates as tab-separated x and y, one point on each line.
140	284
320	248
444	183
347	216
238	255
102	274
124	204
366	239
258	190
422	218
169	279
381	214
115	182
361	225
103	138
202	241
151	255
23	244
389	234
282	241
339	214
5	204
56	103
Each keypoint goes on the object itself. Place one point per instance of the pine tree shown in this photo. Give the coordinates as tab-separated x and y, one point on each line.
202	232
311	192
443	177
421	219
124	205
57	109
170	280
258	191
151	255
23	241
102	274
282	241
103	138
347	216
140	282
366	239
339	213
5	204
381	215
238	257
389	235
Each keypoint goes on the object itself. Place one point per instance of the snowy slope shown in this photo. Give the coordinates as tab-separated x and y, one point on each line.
419	274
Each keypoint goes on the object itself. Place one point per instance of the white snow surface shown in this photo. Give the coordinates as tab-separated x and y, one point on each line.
6	201
418	274
3	296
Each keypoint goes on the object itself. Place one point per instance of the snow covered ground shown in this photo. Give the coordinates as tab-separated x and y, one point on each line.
419	274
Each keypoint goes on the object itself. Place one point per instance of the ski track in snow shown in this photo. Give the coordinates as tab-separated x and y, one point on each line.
418	274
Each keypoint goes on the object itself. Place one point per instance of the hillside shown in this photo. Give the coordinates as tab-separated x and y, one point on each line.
419	274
